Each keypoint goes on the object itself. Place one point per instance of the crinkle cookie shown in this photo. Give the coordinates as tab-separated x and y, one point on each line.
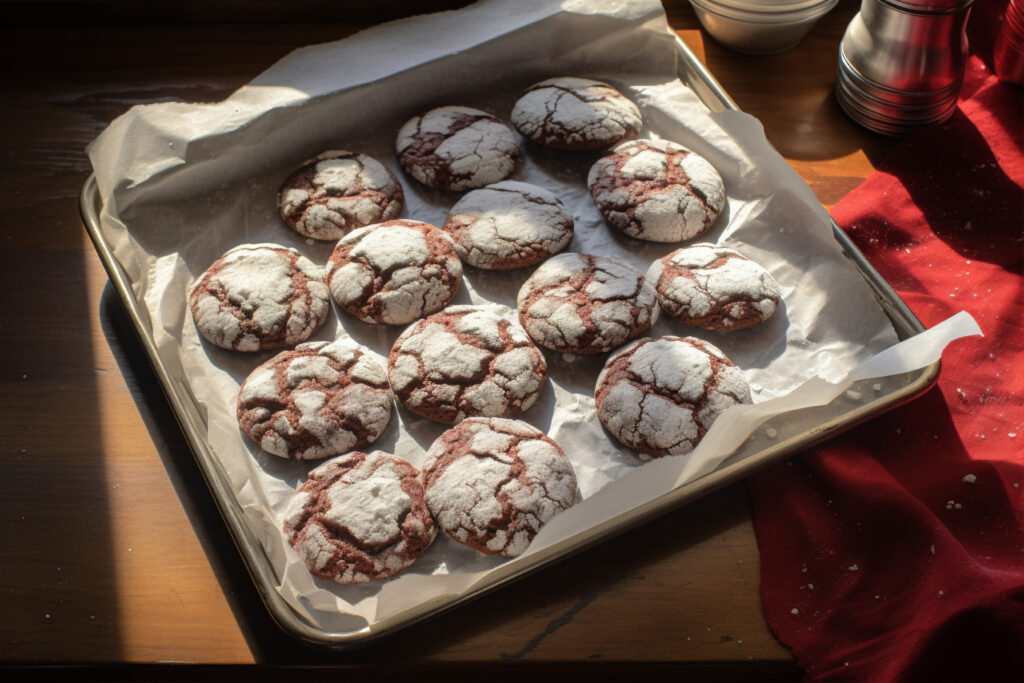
457	148
660	396
359	517
466	361
394	272
657	190
336	192
581	304
714	287
315	401
492	483
508	225
576	114
259	296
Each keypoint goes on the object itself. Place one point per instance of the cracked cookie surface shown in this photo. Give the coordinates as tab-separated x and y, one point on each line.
714	287
456	148
657	190
336	192
394	272
660	396
582	304
466	361
508	225
259	296
317	400
359	517
576	114
492	483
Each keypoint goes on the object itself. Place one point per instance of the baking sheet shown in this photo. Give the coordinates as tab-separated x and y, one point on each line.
182	183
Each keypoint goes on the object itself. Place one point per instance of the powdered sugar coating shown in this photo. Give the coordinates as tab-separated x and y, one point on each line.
336	192
259	296
394	272
456	148
466	361
508	225
317	400
581	304
492	483
660	396
359	517
714	287
576	114
657	190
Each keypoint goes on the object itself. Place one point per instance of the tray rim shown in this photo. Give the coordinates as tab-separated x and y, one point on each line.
190	419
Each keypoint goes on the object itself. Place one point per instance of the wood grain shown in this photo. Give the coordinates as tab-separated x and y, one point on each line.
115	552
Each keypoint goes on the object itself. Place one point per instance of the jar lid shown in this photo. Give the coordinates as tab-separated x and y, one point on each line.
930	6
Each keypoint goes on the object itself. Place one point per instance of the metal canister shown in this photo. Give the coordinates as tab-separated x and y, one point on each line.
901	63
1008	53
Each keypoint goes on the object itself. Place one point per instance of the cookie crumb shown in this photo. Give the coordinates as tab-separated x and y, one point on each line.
970	478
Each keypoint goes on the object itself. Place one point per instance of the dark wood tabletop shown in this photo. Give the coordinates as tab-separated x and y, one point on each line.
114	552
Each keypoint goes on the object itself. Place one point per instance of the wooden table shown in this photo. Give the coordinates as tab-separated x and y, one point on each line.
114	552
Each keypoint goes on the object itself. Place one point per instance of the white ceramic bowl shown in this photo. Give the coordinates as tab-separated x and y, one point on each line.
760	27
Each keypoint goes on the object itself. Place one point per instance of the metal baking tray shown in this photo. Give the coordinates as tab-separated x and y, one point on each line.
790	432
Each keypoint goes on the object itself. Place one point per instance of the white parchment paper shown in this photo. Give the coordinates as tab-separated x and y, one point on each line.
182	183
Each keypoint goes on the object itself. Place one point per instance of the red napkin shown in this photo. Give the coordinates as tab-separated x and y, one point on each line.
896	550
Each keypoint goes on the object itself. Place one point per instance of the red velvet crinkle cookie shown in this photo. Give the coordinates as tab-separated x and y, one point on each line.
714	287
336	192
576	114
657	190
492	483
466	361
394	272
508	225
359	517
457	148
660	396
315	401
259	296
581	304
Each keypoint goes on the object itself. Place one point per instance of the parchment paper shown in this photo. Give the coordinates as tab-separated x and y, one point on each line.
182	183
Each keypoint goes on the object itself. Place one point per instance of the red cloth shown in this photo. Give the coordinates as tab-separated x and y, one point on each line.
896	550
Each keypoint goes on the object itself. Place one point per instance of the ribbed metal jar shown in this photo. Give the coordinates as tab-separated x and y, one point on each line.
1008	53
901	63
